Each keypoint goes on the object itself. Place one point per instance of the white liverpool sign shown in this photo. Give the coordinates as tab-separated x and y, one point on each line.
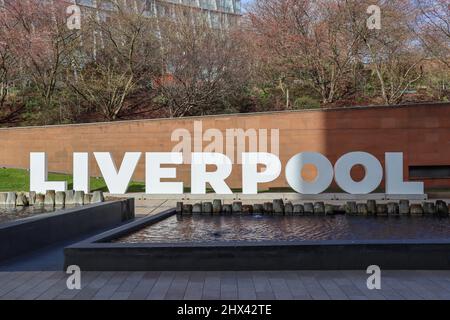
117	180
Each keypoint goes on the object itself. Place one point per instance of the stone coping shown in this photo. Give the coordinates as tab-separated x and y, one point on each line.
126	229
97	254
337	109
59	212
33	233
270	196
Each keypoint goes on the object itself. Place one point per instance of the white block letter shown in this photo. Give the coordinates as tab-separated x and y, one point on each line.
324	173
372	178
39	175
394	176
200	177
154	173
250	175
117	181
81	172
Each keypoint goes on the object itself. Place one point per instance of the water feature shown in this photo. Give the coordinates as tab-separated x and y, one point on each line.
267	228
18	213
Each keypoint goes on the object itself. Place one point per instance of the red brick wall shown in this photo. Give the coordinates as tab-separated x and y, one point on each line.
422	132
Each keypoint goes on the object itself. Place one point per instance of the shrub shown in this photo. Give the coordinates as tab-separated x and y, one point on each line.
306	102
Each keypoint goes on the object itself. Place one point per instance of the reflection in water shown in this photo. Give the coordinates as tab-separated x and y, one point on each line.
11	214
263	228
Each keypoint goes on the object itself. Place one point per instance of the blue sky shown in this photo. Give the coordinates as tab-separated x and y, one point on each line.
245	3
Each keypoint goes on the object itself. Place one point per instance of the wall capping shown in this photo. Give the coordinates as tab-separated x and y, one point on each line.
233	115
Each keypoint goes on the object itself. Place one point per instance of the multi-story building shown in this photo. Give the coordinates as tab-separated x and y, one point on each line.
219	13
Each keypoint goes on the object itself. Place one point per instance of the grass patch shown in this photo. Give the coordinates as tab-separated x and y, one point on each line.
19	180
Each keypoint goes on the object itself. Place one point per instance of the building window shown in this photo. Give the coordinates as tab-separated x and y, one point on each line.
429	172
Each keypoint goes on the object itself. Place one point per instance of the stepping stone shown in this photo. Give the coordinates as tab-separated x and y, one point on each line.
237	207
247	210
40	200
393	209
351	207
207	208
340	209
278	207
60	199
319	208
441	208
50	198
31	198
3	197
299	210
217	207
21	200
88	199
416	210
70	197
179	208
268	208
97	197
429	208
258	209
382	210
11	199
363	210
227	209
79	198
197	209
404	207
309	208
289	209
329	210
372	207
187	209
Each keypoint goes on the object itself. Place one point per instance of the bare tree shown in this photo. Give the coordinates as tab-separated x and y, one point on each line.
309	42
7	63
126	58
39	38
205	67
433	28
392	52
9	110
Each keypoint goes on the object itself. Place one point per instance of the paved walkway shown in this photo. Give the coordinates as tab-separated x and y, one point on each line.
226	285
38	276
151	207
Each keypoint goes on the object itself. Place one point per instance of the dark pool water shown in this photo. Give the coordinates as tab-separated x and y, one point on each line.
259	228
12	214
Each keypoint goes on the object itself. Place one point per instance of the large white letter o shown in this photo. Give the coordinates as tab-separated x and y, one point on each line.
373	173
324	173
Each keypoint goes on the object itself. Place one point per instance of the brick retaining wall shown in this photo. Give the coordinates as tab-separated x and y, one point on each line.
422	132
